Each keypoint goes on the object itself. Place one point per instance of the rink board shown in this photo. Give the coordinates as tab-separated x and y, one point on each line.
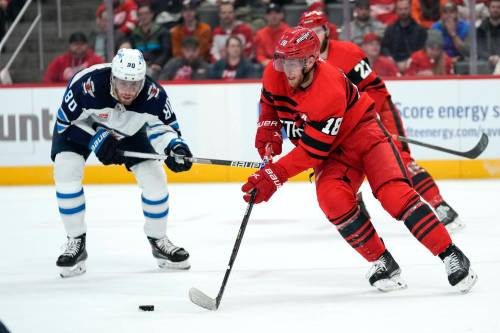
217	120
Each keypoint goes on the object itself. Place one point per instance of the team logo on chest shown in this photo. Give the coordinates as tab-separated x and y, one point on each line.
153	92
88	87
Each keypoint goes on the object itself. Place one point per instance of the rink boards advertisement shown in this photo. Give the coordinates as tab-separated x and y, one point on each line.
218	121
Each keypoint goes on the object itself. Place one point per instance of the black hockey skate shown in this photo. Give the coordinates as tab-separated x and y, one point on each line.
457	265
449	217
385	274
169	255
72	260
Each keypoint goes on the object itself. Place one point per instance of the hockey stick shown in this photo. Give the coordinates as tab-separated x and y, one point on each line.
472	154
200	298
241	164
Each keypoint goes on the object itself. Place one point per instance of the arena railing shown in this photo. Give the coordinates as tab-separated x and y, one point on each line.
4	73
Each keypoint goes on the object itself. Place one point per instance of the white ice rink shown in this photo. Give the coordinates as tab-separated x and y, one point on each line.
293	272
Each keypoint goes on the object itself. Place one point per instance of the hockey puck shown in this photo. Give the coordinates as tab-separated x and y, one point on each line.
146	307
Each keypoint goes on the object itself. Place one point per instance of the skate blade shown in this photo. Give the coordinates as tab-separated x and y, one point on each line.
455	226
468	282
167	264
78	269
391	284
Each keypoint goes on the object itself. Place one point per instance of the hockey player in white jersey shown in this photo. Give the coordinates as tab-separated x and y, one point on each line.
107	108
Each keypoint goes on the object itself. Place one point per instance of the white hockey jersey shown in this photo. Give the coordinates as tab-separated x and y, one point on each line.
89	103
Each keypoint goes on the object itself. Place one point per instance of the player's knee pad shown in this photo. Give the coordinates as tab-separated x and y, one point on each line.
396	197
151	178
68	170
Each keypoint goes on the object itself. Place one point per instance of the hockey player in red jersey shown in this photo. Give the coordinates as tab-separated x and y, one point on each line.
335	131
353	61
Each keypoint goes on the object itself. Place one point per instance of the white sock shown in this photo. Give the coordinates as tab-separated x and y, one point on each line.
68	174
152	180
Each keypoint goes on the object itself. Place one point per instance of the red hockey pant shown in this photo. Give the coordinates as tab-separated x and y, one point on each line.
369	151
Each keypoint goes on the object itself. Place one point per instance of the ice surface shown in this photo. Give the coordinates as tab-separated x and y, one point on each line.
293	272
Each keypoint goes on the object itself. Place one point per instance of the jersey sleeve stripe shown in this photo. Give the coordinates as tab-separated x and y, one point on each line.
283	108
62	116
285	99
319	135
316	144
267	95
317	154
376	83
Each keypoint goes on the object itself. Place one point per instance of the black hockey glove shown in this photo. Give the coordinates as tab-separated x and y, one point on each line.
105	147
178	164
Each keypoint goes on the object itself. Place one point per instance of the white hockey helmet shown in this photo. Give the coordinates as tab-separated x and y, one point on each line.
129	65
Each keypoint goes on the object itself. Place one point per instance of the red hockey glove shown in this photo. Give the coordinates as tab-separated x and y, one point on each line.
266	181
268	132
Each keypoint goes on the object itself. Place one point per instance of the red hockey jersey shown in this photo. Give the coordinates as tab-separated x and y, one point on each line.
353	61
316	119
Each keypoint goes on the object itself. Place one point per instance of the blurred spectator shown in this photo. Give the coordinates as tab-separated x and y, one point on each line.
229	26
267	37
189	66
125	15
234	65
362	23
169	12
488	35
98	36
383	11
123	43
384	66
190	26
78	57
454	31
403	37
481	9
152	40
432	60
426	12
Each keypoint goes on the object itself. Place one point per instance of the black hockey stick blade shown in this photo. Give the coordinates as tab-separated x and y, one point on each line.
201	299
472	153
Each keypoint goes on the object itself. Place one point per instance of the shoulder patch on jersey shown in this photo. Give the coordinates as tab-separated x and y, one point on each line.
88	87
153	92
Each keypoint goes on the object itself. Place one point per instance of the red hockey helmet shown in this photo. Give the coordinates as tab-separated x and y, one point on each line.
313	19
296	44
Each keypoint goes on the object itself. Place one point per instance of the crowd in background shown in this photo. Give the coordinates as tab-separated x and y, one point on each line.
400	37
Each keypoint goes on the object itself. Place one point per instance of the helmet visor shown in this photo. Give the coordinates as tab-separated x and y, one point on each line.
282	64
129	86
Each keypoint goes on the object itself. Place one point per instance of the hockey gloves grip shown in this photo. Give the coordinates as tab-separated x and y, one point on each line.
105	147
265	181
268	132
178	163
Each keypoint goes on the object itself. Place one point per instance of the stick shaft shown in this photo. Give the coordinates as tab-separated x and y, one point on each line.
198	160
472	153
236	246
